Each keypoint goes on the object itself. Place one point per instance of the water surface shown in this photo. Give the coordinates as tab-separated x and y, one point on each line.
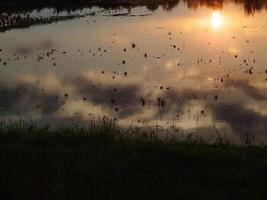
200	70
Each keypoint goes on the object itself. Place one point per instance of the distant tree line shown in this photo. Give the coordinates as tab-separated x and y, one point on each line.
11	6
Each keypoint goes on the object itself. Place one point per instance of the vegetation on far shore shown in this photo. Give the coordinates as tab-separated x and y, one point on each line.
250	6
104	161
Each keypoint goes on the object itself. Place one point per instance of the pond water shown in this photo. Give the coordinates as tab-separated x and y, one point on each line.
191	68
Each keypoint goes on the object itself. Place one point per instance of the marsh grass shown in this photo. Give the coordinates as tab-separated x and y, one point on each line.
15	22
101	160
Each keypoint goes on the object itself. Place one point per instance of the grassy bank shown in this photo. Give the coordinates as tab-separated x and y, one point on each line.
103	161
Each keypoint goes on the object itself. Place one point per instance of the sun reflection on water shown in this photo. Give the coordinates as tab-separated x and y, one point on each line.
216	19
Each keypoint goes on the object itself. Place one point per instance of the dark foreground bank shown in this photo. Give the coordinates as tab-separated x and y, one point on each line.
106	162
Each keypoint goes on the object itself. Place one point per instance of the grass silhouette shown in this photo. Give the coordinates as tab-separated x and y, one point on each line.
104	161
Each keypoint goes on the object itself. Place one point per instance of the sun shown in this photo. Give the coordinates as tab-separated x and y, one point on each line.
216	19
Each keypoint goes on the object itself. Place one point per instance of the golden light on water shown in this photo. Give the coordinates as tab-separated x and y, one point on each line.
216	19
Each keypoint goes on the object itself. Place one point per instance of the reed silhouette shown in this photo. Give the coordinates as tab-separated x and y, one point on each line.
8	22
11	6
106	162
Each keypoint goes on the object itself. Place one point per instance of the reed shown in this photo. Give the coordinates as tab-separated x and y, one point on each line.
101	160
